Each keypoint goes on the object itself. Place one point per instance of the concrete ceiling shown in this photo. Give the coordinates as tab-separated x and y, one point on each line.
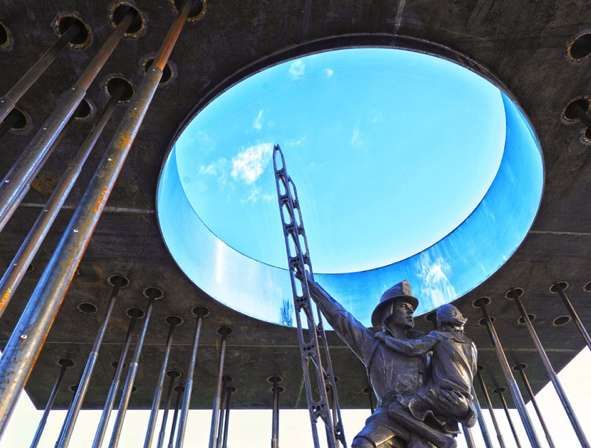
523	43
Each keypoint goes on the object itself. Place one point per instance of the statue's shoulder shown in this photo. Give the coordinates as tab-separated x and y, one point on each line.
415	334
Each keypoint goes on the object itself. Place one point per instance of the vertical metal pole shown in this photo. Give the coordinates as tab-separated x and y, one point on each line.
31	159
173	375
275	422
213	433
117	282
570	412
490	408
499	392
9	100
222	415
152	294
188	390
560	288
135	314
175	416
507	371
521	369
173	322
64	364
227	407
17	268
481	422
470	443
28	337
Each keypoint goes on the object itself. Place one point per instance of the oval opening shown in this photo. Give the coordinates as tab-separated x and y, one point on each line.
87	308
119	13
396	176
581	47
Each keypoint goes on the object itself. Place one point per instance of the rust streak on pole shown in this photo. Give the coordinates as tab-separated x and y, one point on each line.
180	437
21	261
64	364
9	100
32	157
173	323
521	369
515	295
114	388
30	333
173	375
117	282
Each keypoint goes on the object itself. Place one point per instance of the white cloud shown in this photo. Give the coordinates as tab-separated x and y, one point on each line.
256	194
328	72
249	164
356	139
258	121
297	69
434	281
217	168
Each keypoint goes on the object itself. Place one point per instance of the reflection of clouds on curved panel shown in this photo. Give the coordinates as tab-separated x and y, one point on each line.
450	268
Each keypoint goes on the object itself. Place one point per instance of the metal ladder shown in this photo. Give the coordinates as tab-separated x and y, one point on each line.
319	379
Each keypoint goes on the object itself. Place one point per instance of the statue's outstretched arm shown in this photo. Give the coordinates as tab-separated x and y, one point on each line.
350	330
410	347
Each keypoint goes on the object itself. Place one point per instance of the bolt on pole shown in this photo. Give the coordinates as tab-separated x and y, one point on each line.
28	337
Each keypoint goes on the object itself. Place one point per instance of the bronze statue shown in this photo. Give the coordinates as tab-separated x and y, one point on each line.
423	383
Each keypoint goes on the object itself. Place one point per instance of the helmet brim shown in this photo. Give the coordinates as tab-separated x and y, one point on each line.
379	309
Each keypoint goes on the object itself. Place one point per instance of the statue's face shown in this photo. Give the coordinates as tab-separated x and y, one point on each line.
401	315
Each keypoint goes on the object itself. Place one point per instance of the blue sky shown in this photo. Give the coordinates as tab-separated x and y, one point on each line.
390	151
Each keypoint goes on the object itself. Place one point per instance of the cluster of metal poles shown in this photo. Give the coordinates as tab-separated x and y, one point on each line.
30	332
512	386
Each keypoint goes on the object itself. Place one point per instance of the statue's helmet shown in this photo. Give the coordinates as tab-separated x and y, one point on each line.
449	314
400	292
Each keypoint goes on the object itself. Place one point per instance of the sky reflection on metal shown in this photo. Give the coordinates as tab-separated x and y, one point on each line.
407	166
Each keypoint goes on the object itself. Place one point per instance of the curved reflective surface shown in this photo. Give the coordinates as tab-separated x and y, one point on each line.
458	261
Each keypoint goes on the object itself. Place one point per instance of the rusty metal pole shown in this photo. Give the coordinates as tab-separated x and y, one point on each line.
515	295
117	282
21	261
180	437
227	406
481	422
500	393
28	337
33	155
508	373
134	314
10	98
173	375
560	288
275	418
173	322
215	411
175	416
490	408
152	294
64	364
521	369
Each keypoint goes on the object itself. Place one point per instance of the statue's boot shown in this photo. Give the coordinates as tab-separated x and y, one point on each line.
438	438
